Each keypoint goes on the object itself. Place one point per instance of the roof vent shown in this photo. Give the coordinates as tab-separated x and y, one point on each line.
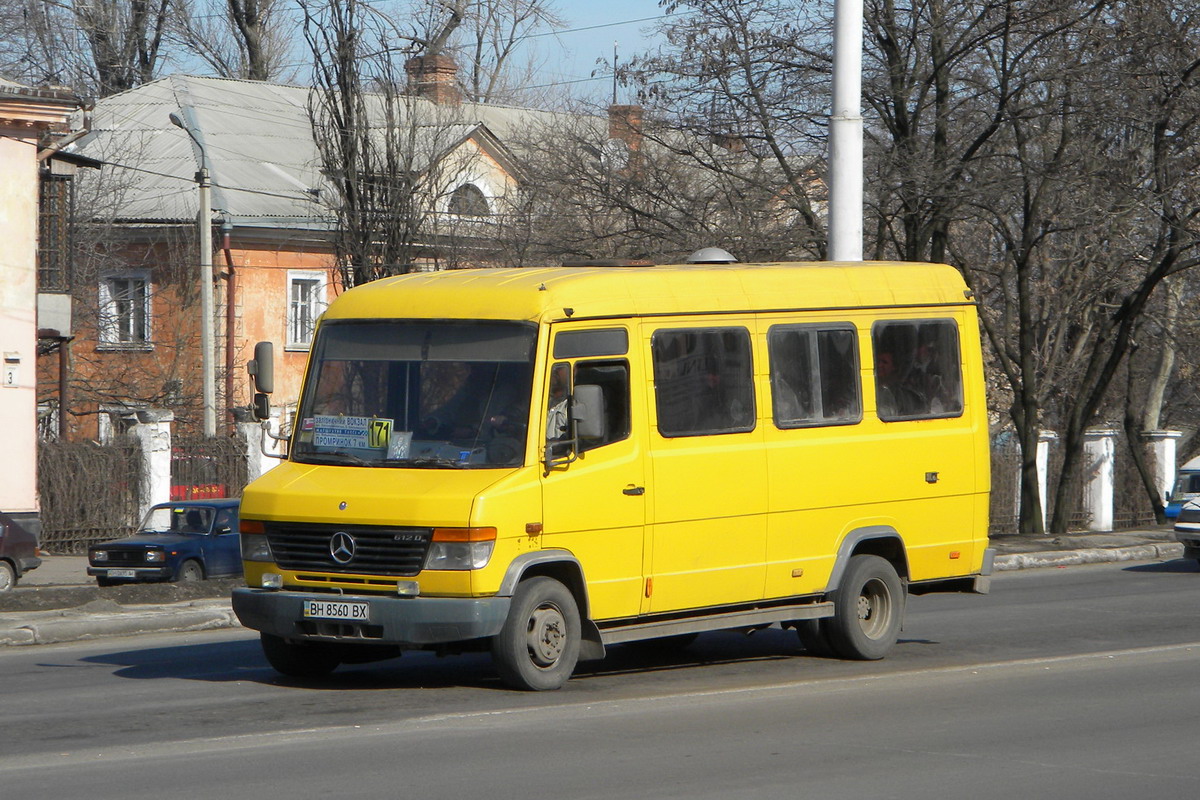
710	255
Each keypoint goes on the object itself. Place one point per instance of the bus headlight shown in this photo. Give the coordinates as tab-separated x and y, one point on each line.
460	548
255	547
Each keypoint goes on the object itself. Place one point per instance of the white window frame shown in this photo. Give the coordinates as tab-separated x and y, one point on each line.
488	202
112	335
302	312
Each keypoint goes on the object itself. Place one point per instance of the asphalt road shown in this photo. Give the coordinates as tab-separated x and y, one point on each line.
1064	683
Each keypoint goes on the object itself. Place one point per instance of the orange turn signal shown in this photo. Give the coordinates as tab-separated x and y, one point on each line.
464	534
252	526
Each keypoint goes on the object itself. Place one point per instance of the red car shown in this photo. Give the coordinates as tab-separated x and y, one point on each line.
18	552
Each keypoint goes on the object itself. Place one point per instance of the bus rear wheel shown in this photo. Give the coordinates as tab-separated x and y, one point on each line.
868	610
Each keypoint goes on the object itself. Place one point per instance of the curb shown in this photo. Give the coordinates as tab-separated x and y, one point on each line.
99	620
1096	555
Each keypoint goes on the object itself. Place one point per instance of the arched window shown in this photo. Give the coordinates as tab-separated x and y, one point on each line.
468	201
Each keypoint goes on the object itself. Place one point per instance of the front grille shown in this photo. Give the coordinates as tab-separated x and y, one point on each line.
376	550
125	558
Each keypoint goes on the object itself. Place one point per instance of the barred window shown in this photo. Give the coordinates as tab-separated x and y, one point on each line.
54	233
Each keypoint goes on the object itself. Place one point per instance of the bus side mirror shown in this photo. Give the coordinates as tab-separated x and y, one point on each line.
262	375
262	367
588	411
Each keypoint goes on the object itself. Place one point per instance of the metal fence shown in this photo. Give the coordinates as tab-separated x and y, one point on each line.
207	467
89	492
1131	505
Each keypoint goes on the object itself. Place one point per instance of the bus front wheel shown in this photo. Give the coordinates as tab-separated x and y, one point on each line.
538	646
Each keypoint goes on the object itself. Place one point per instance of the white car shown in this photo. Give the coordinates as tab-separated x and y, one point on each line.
1187	528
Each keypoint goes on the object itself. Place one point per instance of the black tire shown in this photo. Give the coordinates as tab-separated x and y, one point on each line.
190	571
538	647
8	577
868	610
299	660
814	636
105	582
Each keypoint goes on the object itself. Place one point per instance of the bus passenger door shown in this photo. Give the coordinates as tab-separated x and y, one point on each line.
708	531
593	495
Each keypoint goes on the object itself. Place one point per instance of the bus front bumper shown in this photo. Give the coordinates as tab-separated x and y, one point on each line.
369	619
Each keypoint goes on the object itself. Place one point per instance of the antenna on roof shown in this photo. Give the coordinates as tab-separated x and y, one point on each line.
614	102
710	255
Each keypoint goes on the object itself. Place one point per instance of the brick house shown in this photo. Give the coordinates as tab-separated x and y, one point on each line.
137	325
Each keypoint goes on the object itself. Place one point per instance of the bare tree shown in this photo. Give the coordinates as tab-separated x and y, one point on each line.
386	153
100	47
238	38
490	39
752	79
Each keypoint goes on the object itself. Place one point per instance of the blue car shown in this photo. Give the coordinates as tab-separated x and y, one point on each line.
185	541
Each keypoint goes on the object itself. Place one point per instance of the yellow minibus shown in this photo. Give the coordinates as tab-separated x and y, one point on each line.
544	462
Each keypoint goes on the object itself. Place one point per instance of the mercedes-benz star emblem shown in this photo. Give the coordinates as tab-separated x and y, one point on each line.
341	547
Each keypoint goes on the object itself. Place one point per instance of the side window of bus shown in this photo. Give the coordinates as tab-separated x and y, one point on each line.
918	371
703	381
814	376
613	379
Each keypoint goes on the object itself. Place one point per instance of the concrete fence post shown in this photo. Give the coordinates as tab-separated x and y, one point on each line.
1045	440
1162	449
1099	458
152	427
257	462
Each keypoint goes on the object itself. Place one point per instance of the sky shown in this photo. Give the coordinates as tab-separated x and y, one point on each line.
592	26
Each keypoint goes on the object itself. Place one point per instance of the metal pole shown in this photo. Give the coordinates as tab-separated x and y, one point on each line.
204	231
846	135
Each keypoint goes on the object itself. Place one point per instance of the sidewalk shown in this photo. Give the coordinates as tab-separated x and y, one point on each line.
58	602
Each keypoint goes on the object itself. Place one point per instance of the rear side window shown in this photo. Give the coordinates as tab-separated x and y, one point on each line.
814	375
703	381
918	373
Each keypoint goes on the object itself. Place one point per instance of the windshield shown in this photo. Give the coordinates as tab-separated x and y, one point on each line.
417	394
178	519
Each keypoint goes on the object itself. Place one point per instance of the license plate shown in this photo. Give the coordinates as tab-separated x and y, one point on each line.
336	609
122	573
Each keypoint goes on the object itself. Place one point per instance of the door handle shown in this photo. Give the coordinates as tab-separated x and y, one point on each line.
634	491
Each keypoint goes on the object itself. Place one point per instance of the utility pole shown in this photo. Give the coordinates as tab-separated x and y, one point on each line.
846	135
204	233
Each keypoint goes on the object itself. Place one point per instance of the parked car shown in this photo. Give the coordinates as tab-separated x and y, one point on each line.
18	552
185	541
1187	529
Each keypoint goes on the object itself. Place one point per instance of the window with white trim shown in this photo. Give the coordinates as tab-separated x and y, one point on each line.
469	200
306	301
125	309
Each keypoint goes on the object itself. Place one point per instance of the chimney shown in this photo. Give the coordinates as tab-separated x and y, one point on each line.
435	78
625	124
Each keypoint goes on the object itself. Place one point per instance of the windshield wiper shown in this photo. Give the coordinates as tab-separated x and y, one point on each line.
432	461
337	457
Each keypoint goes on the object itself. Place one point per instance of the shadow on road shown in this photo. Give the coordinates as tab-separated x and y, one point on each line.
242	660
1176	565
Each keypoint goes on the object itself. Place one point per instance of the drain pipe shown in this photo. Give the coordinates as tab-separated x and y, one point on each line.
230	320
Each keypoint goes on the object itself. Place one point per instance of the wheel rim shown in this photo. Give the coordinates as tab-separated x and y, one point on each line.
547	635
874	609
6	578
